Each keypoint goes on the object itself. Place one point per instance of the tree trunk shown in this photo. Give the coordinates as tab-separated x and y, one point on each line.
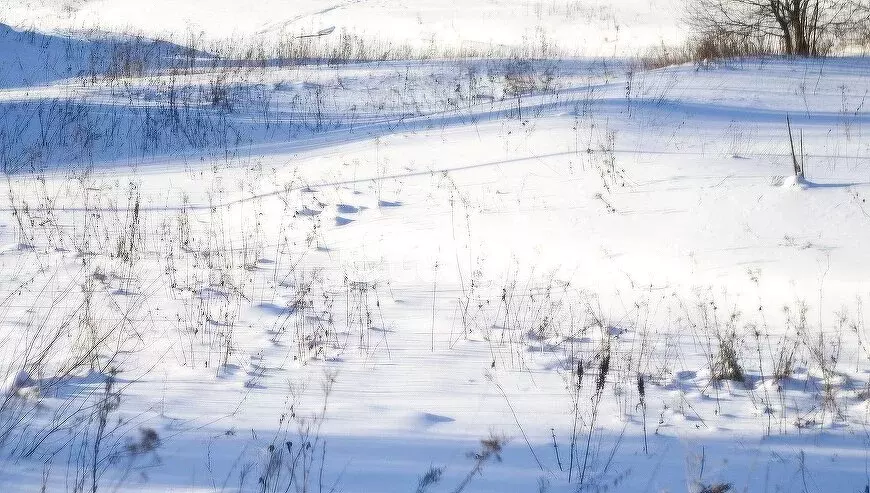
779	13
813	27
798	21
787	42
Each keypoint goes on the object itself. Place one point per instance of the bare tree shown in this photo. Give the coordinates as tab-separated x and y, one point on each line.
801	27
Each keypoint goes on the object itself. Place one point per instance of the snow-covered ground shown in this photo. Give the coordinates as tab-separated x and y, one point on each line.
320	277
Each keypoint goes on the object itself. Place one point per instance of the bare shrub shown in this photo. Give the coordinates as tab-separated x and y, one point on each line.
801	28
703	49
727	366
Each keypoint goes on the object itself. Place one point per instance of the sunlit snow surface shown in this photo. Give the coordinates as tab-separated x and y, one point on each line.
447	239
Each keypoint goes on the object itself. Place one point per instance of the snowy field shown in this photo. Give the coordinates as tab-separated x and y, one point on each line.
431	275
588	27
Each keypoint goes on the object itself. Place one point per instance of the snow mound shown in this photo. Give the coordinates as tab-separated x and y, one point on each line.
15	382
795	182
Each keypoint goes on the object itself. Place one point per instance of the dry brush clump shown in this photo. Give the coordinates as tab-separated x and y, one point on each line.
66	367
70	351
704	50
789	369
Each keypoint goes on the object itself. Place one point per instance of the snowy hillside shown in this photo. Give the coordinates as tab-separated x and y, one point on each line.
479	275
591	28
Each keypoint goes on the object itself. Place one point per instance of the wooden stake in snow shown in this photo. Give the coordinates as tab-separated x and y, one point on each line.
798	167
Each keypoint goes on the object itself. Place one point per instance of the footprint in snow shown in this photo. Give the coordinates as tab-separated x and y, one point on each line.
387	203
308	212
428	420
273	309
686	375
615	331
347	209
341	221
228	370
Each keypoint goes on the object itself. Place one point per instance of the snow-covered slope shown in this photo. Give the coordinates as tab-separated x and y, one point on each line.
31	58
